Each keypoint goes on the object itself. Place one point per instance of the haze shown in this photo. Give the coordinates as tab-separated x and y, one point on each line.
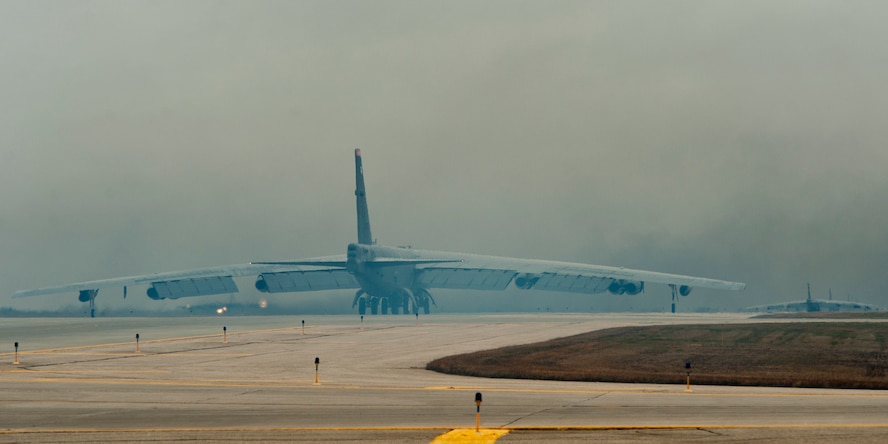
735	140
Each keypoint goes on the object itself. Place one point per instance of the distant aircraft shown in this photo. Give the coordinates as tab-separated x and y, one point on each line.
813	305
394	278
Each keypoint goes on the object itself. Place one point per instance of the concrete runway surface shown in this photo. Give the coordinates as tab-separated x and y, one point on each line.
82	380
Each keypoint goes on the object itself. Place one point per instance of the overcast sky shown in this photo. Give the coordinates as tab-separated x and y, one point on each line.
744	141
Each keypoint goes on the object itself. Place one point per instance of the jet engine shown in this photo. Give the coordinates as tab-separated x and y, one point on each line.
526	281
261	285
87	295
152	293
625	287
684	290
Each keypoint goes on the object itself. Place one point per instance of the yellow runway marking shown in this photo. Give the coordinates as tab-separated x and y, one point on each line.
109	372
703	426
296	383
42	376
507	389
218	429
231	355
151	341
182	353
679	390
483	436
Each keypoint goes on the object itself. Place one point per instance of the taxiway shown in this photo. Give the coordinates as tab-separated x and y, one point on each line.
83	380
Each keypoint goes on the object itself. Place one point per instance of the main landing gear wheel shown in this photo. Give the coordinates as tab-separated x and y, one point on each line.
421	298
360	301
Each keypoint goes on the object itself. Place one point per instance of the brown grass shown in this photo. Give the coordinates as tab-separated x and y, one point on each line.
833	355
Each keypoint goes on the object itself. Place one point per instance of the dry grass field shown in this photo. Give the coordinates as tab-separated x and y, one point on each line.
810	354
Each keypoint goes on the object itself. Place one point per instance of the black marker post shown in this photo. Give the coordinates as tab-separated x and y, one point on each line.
477	411
317	362
16	361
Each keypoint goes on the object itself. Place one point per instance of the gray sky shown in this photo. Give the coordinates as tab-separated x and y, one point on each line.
736	140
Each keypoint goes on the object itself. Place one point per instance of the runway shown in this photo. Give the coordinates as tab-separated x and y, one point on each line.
82	380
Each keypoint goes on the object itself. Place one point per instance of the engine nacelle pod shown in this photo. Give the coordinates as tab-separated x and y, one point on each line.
526	281
684	290
152	293
631	288
261	285
85	295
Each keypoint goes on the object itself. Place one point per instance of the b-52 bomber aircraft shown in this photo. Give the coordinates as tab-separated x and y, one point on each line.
394	278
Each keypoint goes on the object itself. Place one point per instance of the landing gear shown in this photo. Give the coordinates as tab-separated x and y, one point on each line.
395	302
89	296
361	301
674	290
422	298
402	299
364	300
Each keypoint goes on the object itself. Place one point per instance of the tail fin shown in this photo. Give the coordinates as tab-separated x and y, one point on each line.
364	236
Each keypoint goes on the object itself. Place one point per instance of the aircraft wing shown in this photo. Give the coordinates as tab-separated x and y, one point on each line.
475	272
202	281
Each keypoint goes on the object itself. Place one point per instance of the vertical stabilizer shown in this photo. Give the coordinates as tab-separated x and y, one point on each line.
364	236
